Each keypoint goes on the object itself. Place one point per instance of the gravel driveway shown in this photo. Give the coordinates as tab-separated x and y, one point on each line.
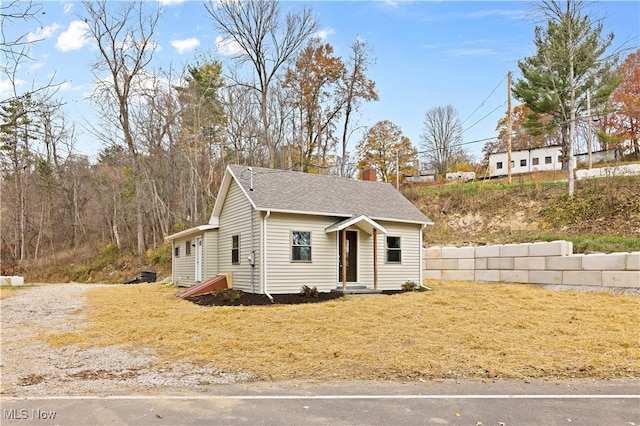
30	367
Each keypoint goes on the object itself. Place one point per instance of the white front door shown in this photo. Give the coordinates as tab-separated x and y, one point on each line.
198	259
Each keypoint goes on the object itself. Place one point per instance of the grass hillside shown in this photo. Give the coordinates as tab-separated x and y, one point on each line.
603	215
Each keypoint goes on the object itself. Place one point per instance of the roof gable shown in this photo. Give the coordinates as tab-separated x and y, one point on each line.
296	192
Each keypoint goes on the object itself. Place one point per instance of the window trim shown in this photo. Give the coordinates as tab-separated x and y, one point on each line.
291	257
187	248
393	249
235	249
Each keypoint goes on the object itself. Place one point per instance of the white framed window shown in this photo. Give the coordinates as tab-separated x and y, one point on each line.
187	248
300	246
394	250
235	249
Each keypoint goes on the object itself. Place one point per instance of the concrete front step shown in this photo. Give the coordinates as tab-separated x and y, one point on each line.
356	289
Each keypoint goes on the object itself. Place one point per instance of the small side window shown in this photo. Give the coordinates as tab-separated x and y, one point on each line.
176	251
235	249
187	248
535	161
523	163
499	165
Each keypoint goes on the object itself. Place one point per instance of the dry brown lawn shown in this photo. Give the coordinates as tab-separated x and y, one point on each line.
458	330
6	291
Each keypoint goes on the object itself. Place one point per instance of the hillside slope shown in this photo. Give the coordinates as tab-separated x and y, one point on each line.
604	215
529	209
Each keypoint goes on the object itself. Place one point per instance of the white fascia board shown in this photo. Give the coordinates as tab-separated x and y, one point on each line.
362	222
191	231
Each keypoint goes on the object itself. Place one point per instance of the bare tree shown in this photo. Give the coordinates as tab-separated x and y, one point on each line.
257	29
441	137
312	84
124	39
355	87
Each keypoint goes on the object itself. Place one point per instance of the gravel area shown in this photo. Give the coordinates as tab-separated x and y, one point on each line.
30	367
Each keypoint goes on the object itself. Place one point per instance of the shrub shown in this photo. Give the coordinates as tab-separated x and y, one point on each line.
230	294
161	254
307	291
409	286
108	254
412	286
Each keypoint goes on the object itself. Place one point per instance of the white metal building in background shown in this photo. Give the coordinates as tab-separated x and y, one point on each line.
548	158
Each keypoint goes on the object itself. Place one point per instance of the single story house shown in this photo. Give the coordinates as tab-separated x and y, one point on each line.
599	156
422	176
548	158
275	231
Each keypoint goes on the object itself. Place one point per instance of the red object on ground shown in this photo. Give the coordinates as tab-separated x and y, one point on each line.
219	282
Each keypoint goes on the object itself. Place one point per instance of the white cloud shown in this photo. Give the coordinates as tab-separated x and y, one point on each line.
323	34
42	33
501	13
36	66
170	2
68	7
74	38
471	52
227	47
6	87
70	87
185	45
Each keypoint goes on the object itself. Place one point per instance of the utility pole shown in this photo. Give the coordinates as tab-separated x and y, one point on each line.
397	171
589	136
509	127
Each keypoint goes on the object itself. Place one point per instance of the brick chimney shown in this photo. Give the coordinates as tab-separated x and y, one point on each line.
370	175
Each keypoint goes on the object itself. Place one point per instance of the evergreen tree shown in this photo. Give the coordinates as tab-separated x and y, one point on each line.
570	60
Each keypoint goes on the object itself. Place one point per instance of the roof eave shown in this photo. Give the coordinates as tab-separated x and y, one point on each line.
190	231
343	214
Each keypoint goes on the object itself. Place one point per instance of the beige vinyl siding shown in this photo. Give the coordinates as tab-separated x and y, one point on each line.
285	276
209	254
184	267
392	275
235	219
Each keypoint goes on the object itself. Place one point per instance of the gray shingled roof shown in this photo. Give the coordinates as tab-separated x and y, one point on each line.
283	190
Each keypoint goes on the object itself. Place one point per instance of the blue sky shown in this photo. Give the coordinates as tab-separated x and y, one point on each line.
427	54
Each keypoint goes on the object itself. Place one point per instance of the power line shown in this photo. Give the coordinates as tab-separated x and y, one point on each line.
485	100
492	111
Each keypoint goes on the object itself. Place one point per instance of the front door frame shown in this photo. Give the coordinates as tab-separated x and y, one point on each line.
353	259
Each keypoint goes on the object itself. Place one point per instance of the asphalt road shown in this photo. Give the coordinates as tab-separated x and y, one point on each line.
500	403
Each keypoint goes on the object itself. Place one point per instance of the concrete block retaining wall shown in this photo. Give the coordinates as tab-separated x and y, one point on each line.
532	263
619	170
11	281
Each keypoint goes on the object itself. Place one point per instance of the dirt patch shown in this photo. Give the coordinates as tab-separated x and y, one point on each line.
240	298
28	366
